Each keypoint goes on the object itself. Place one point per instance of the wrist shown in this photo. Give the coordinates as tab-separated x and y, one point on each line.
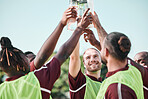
79	30
62	24
96	42
80	27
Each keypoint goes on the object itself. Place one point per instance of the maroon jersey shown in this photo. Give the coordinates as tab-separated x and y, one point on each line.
144	79
78	83
47	75
113	91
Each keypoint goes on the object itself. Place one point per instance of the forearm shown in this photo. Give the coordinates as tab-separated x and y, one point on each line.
97	45
68	47
101	33
48	46
75	63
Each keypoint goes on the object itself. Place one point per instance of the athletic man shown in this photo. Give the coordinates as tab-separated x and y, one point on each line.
110	48
85	86
37	84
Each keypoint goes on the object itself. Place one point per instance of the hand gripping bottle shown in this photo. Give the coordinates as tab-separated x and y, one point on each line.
71	24
83	5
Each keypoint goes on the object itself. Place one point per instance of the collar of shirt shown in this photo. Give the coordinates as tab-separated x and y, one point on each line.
108	74
95	79
14	77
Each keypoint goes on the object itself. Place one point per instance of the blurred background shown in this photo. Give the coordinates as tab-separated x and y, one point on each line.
28	23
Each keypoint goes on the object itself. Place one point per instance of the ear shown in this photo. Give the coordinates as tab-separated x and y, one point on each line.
84	64
106	52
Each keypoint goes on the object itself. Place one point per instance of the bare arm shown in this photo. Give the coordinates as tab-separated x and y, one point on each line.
68	47
75	62
101	32
49	45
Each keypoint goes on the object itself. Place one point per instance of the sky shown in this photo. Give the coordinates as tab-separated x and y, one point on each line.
28	23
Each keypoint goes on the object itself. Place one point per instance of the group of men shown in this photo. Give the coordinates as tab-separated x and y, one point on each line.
124	79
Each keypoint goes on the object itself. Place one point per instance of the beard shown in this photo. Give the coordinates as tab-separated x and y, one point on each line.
93	68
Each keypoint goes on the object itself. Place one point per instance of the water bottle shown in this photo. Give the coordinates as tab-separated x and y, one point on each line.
91	5
71	23
83	5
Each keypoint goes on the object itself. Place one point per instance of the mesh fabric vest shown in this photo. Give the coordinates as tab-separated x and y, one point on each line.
92	88
25	87
131	78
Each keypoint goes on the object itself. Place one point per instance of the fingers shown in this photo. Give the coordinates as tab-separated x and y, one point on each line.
88	31
71	13
88	34
78	19
95	13
85	13
85	37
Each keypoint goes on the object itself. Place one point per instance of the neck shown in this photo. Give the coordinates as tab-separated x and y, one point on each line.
94	74
14	74
114	64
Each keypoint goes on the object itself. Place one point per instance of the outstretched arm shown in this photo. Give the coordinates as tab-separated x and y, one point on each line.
49	45
101	32
68	47
75	62
91	38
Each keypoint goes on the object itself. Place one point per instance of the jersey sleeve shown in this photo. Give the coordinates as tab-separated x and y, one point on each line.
114	91
47	75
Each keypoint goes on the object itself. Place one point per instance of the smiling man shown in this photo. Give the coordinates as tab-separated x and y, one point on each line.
84	86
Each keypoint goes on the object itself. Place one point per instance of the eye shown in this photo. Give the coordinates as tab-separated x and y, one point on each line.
88	57
95	56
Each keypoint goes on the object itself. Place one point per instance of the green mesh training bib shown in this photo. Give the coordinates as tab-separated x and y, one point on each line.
131	78
25	87
92	88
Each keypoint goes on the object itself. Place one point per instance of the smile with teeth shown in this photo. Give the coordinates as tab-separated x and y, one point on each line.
93	64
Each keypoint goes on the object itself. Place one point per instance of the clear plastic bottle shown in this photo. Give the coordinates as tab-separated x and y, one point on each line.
83	5
91	5
71	24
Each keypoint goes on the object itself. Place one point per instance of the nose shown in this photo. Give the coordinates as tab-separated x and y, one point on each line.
92	59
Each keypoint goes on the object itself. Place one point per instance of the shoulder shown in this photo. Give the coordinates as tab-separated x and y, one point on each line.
145	80
75	83
116	90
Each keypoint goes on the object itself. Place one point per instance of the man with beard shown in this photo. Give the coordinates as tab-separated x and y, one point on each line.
122	80
85	86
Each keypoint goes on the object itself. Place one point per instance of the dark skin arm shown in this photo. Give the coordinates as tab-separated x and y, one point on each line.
102	34
49	45
100	30
68	47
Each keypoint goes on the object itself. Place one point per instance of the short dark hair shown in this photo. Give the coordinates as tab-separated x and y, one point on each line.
118	45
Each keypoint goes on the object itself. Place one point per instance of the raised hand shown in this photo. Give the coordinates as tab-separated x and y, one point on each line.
89	36
69	13
95	21
86	20
101	32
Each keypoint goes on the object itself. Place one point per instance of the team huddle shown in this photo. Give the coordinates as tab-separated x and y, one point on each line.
32	77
